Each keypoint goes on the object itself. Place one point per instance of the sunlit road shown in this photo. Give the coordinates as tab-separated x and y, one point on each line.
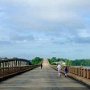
41	79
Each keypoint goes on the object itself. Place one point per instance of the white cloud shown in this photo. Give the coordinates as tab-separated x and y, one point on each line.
84	33
45	25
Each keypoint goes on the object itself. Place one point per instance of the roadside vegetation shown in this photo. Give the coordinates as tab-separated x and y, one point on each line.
76	62
37	60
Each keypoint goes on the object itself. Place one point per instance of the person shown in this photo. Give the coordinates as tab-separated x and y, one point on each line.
66	71
59	70
41	66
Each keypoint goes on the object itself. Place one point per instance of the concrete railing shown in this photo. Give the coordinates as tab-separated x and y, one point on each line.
11	67
82	72
78	71
12	71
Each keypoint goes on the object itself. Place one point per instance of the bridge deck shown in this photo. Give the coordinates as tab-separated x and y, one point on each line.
41	79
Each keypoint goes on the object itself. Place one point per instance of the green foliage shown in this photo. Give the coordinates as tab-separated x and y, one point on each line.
54	59
81	62
77	62
37	60
68	62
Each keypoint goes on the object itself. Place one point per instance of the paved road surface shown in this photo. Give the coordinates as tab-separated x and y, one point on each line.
41	79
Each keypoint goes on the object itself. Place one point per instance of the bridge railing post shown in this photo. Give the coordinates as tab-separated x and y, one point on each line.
88	73
79	71
84	73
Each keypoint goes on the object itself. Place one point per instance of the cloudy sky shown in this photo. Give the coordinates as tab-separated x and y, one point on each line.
45	28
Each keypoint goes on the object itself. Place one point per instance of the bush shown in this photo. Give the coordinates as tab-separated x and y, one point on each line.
37	60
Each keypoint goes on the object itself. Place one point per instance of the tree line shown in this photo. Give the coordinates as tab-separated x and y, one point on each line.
38	60
76	62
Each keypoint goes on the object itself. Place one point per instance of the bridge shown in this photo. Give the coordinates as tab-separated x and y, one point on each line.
36	79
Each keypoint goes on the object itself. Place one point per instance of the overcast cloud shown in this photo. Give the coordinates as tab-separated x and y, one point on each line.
45	28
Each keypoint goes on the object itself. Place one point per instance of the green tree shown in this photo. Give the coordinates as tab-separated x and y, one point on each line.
37	60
